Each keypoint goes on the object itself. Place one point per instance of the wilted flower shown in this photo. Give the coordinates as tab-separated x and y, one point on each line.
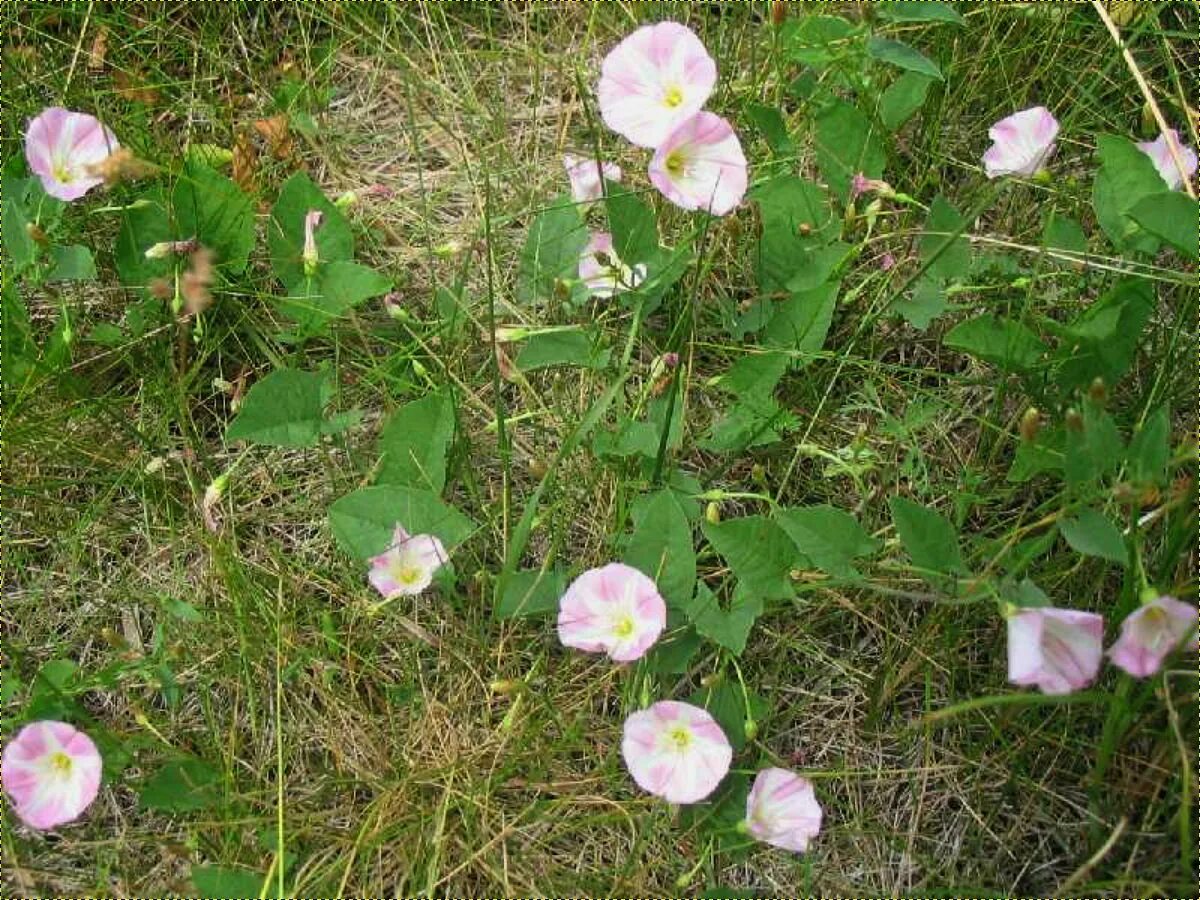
782	810
887	262
861	184
61	146
1059	650
587	175
51	772
615	610
163	249
1023	143
603	272
676	751
310	255
1152	633
1160	154
408	565
196	280
654	79
700	165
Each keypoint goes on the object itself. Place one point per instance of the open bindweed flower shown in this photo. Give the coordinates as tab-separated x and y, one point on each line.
51	771
782	810
653	80
63	147
310	255
615	610
1023	143
1059	650
1160	154
407	567
700	165
603	272
1152	633
676	751
587	176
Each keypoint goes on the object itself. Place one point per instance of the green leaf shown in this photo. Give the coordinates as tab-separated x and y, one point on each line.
182	785
531	592
285	230
1172	216
770	122
662	547
801	323
1150	449
948	257
817	40
730	705
363	522
414	443
1001	342
1094	450
339	287
1064	233
760	553
1091	534
213	882
846	143
1126	177
797	227
673	654
1103	341
928	301
631	438
212	208
830	538
182	610
19	247
212	155
903	98
633	225
548	349
729	628
551	252
144	223
72	263
755	375
282	410
753	422
900	54
930	539
919	11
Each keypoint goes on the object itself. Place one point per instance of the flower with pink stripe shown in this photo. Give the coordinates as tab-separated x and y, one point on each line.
700	165
407	567
782	810
51	772
615	610
1160	154
1152	633
1023	143
1059	650
586	177
62	148
676	751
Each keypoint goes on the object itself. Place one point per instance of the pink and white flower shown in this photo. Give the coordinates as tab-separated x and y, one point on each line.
310	255
407	567
700	165
1059	650
653	80
587	177
51	772
782	810
602	270
1160	154
676	751
63	147
1152	633
1023	143
615	610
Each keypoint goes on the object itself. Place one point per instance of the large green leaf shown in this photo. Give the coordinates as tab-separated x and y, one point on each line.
285	409
19	247
339	287
182	785
1103	341
414	443
729	628
846	143
1150	449
633	225
212	882
72	263
662	547
143	224
801	323
582	348
903	98
1172	216
1092	534
929	538
363	522
551	253
830	538
285	230
900	54
1126	177
1001	342
212	209
797	227
760	553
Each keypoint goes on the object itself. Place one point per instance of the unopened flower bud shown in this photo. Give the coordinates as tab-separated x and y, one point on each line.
758	473
750	727
670	360
1098	392
310	255
1031	424
1074	420
712	512
346	200
448	249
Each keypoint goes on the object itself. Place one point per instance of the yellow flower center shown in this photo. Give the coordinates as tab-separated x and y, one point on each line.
62	174
406	574
60	763
672	97
675	163
623	627
679	738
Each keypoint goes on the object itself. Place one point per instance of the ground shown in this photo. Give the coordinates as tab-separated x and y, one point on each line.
396	746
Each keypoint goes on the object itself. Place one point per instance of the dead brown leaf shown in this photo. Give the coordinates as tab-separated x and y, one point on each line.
99	52
244	162
277	132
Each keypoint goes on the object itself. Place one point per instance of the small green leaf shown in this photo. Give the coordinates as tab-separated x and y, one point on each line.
928	301
1001	342
829	537
662	546
1091	534
801	323
182	785
673	654
551	253
1103	341
1126	177
731	706
18	245
72	263
633	225
282	410
144	223
755	375
760	553
919	11
1064	233
337	289
212	882
1172	216
729	628
363	522
903	98
948	256
414	443
285	230
531	592
900	54
182	610
846	143
549	349
1150	449
818	40
212	209
1093	451
930	539
770	122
